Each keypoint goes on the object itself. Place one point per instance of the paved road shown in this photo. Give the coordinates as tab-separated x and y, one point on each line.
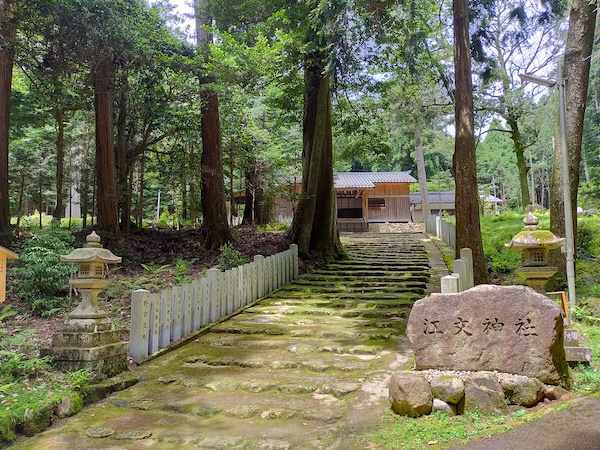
307	367
574	428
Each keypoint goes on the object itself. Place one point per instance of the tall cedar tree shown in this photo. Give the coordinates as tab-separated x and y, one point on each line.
315	223
214	211
576	73
468	232
8	10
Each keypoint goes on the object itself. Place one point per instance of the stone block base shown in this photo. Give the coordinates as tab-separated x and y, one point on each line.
103	361
578	355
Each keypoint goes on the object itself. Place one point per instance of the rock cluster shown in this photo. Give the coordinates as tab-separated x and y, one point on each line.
418	393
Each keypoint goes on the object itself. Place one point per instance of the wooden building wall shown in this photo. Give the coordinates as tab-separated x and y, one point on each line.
387	202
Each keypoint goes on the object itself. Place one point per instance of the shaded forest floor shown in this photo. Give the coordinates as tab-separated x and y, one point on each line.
153	260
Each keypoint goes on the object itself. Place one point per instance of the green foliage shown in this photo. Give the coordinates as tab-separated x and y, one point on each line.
438	428
181	270
42	280
79	379
277	227
230	257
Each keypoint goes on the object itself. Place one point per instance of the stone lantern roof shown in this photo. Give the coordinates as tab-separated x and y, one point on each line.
533	236
92	251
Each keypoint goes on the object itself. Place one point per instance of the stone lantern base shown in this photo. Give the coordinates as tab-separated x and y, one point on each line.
91	344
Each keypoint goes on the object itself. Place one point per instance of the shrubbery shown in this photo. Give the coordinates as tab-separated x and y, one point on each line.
230	257
43	279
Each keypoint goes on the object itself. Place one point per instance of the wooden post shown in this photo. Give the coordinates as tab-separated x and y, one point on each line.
4	255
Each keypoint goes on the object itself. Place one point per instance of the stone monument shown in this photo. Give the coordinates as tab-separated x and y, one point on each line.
511	329
89	339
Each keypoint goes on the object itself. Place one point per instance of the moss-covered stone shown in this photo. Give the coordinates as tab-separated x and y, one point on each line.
7	431
35	420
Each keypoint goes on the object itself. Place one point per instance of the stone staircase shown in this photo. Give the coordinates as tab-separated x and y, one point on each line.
305	368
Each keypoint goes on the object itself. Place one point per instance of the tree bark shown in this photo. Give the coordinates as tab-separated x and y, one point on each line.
105	153
59	116
425	207
7	56
468	232
315	223
523	168
214	212
576	73
250	176
212	185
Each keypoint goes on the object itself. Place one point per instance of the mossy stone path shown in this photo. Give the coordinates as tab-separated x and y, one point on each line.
305	368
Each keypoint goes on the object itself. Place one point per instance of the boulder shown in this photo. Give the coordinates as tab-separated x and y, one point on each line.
485	396
523	391
447	388
443	407
510	329
410	395
555	392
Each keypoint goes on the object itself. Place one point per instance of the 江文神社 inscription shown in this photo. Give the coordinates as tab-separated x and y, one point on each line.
509	329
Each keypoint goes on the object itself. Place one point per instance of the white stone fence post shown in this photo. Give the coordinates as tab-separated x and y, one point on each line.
462	278
158	319
446	231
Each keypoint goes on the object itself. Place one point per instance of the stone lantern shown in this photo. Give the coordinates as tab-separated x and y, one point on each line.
534	244
89	339
92	261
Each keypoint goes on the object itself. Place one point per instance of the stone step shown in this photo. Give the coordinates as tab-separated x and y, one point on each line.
296	345
346	300
322	332
363	282
389	278
350	310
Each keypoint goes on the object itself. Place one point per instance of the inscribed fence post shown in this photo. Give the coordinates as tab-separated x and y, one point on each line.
466	254
260	275
460	267
187	311
254	279
153	344
294	248
204	299
213	275
449	284
196	304
140	325
166	316
177	314
235	281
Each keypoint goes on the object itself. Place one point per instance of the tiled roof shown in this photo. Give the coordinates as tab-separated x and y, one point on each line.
434	197
364	180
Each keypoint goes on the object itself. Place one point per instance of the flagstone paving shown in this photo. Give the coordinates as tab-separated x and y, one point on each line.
305	368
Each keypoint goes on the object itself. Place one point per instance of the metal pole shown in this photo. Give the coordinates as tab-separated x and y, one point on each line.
566	189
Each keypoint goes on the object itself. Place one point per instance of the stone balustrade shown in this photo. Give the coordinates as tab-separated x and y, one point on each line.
159	319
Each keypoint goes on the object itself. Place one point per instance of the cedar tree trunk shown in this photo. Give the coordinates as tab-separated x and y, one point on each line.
576	73
7	56
468	233
212	183
59	116
315	223
105	152
425	207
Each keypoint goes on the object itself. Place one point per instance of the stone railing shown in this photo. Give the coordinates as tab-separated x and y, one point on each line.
158	319
462	277
445	231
